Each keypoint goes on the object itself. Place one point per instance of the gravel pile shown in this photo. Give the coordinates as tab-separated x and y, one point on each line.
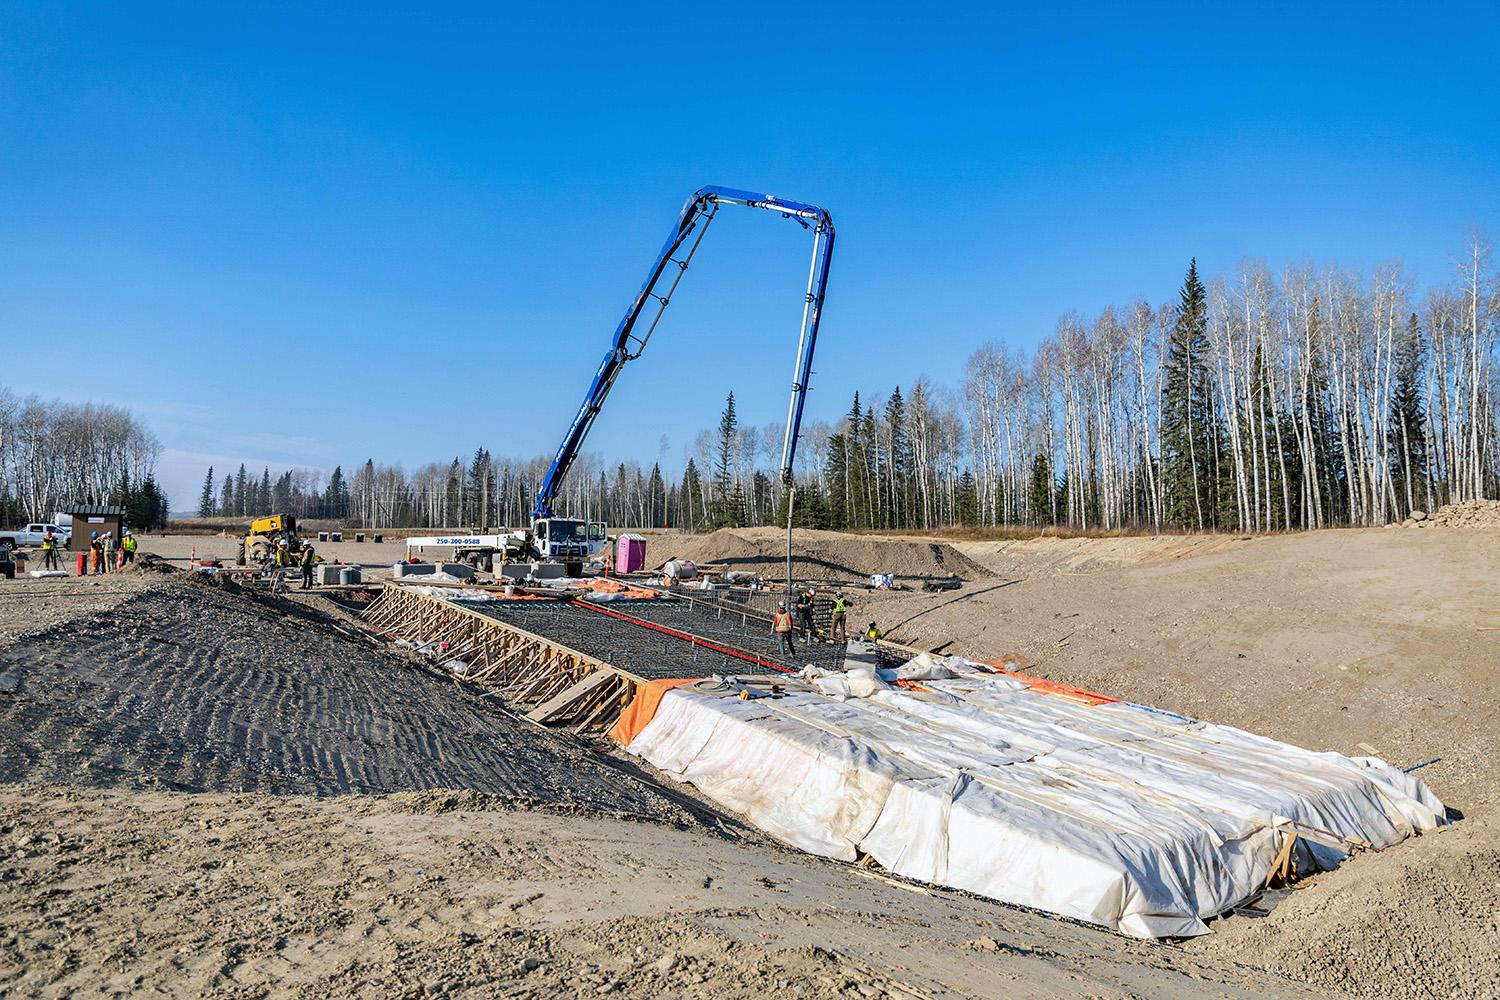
186	686
1468	514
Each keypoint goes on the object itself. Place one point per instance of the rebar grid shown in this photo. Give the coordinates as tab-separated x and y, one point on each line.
647	653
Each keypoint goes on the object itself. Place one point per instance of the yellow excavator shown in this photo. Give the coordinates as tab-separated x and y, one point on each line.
265	535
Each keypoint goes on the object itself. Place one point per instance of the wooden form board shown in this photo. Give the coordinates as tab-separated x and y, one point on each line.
538	676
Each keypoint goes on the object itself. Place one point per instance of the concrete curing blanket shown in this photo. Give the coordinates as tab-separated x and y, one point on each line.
1029	792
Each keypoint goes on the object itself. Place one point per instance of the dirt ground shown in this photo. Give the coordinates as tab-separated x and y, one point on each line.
204	791
1359	641
374	559
208	792
817	555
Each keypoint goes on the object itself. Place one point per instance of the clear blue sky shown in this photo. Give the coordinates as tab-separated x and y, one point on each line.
309	233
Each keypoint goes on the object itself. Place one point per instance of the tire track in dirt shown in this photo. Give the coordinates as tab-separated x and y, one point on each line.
192	688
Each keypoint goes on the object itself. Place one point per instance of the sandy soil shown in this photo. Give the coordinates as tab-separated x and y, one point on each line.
163	829
375	560
1357	641
818	555
563	872
435	894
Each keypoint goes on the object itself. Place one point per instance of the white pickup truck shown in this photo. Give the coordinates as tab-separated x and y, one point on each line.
30	536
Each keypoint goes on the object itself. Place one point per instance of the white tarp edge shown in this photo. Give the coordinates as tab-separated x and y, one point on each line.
1141	821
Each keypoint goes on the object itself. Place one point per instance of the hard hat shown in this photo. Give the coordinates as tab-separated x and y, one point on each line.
781	605
282	543
838	593
93	534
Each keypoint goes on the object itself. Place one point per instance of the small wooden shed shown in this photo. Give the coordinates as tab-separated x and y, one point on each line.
89	518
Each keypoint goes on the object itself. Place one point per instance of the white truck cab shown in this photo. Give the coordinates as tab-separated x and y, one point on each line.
567	539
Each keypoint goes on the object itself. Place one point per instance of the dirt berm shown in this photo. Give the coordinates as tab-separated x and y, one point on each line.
186	687
820	555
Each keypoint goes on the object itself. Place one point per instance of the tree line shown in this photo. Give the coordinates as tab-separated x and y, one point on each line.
1252	401
54	455
1249	402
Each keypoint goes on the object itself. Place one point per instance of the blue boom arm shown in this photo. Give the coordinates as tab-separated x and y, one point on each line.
672	263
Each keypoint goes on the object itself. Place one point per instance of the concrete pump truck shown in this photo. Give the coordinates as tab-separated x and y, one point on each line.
571	541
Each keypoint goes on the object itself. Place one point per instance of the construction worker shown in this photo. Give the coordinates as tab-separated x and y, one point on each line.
107	553
805	613
283	555
49	550
96	553
307	559
871	632
782	624
127	549
840	630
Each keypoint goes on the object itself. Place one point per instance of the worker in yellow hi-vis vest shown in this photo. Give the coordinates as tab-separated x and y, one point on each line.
840	629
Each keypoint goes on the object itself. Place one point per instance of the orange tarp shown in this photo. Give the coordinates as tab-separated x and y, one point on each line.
642	708
1043	686
614	587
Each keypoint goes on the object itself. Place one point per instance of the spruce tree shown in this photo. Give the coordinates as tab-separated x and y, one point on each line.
281	492
1189	452
150	504
692	497
336	495
206	498
898	463
728	511
968	500
241	497
1039	492
263	494
656	498
1408	426
837	502
226	498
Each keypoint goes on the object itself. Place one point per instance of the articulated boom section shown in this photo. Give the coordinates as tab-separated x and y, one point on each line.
673	261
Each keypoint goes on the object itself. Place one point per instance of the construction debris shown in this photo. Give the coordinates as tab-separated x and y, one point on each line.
1467	514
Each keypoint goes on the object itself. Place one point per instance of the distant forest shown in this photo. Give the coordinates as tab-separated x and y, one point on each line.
1250	402
55	454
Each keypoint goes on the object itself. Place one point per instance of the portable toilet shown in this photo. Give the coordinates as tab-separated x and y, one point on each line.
630	553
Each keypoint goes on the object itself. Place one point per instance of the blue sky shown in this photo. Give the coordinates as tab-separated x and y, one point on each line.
391	213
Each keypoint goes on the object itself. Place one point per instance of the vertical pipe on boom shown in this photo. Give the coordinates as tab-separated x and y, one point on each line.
788	441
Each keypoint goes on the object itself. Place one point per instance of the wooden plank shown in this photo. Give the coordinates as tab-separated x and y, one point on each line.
559	703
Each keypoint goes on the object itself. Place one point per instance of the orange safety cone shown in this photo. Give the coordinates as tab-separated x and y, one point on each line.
193	558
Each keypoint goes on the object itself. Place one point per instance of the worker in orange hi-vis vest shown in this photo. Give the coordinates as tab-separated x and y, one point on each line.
782	623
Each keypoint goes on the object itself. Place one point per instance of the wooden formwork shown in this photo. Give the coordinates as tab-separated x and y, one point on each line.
552	684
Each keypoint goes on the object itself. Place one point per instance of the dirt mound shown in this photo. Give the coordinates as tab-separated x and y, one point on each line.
1467	514
1418	921
819	555
186	686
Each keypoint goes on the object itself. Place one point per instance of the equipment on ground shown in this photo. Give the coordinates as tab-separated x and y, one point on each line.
565	540
265	535
571	541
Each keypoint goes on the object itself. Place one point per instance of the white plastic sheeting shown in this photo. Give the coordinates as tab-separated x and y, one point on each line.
1141	821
